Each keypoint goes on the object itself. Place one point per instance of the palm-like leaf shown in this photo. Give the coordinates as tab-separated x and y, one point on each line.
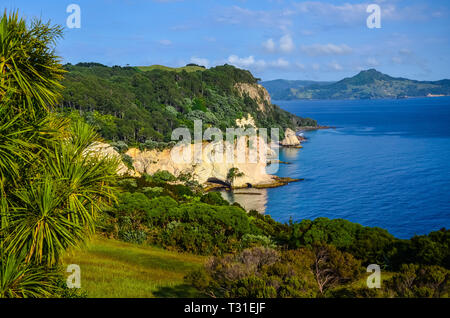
20	280
51	185
86	177
29	75
57	212
29	69
39	224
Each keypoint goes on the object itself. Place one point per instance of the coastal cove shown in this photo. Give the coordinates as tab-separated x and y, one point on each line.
384	165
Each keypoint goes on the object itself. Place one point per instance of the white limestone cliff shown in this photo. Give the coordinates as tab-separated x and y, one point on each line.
250	158
211	161
290	138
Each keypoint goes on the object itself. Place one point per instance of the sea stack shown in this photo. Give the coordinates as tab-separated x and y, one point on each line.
290	139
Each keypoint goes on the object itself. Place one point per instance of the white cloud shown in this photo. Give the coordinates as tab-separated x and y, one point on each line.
372	62
165	42
269	45
326	49
280	63
245	62
397	60
286	43
200	61
341	14
251	62
300	66
335	66
326	14
256	18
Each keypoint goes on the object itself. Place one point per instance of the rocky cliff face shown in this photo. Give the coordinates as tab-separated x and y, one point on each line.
102	150
246	122
256	92
290	138
211	161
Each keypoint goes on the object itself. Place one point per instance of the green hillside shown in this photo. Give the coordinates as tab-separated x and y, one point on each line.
111	268
280	89
144	105
369	84
187	68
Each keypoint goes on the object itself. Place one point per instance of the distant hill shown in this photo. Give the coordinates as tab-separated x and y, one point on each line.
369	84
187	68
280	88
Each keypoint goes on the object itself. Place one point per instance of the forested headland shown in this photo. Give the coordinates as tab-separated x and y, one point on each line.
143	105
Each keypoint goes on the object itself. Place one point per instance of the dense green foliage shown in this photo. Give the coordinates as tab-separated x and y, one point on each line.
178	217
137	106
262	272
50	187
370	244
368	84
255	256
191	67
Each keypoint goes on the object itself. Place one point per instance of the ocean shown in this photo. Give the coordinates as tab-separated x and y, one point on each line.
386	164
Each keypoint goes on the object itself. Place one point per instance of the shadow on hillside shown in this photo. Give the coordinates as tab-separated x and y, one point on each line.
178	291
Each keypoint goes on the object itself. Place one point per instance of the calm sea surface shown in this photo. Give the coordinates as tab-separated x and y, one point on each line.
386	164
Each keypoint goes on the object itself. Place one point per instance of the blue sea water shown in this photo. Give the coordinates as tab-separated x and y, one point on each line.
386	164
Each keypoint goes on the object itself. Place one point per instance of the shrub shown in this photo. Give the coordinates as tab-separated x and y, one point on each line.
152	192
251	240
431	249
120	146
132	235
255	273
420	281
163	176
214	198
198	227
371	245
128	161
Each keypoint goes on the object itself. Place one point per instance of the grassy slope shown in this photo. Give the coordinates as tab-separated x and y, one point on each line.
111	268
167	68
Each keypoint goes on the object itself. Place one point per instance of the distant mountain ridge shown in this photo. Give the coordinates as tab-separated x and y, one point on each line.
280	87
369	84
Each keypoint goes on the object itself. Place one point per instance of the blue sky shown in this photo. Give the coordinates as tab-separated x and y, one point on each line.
318	40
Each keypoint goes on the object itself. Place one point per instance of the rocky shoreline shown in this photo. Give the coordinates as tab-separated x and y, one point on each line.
211	175
309	128
277	182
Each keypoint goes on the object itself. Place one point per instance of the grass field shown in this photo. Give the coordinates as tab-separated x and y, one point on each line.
111	268
167	68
